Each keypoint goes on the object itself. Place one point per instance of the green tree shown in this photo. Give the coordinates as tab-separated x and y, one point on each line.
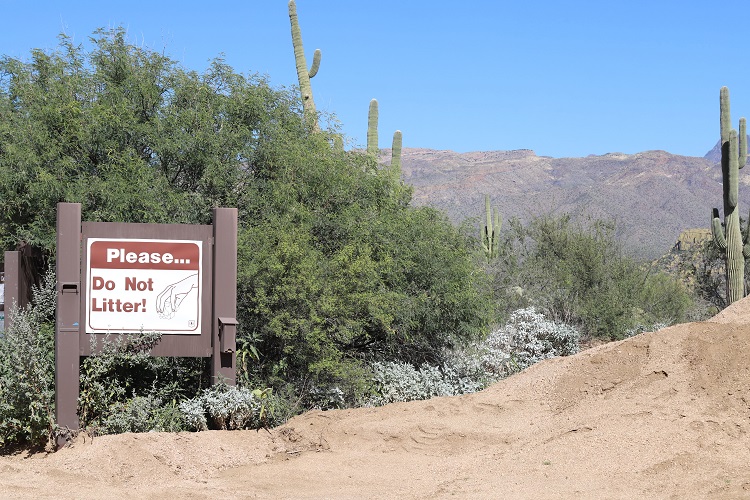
337	271
335	266
579	274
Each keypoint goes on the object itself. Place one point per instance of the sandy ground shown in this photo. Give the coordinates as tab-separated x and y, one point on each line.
661	415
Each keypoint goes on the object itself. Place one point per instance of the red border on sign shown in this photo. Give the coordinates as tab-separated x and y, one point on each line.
124	254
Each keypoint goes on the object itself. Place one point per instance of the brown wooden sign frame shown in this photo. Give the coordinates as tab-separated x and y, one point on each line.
216	339
16	287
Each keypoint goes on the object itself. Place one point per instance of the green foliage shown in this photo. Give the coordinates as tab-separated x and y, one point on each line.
27	372
123	387
729	238
578	274
130	135
702	268
335	268
228	408
527	338
705	265
143	414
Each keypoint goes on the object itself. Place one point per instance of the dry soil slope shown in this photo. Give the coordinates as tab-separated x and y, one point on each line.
661	415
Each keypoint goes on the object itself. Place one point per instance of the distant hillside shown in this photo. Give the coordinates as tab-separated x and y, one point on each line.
653	196
715	153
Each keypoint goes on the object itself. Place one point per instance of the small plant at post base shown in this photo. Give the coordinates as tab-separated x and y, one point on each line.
303	74
491	231
729	238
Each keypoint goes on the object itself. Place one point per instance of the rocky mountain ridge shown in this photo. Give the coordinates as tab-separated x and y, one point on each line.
652	196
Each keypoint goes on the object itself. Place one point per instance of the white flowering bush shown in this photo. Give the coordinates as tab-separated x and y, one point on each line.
527	338
403	382
222	407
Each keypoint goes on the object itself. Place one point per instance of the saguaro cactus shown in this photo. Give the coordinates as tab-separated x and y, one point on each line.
491	231
729	239
372	128
396	156
303	74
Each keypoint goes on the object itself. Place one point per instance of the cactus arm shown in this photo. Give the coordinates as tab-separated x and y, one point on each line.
717	231
743	143
725	117
372	128
745	238
488	213
396	156
733	171
498	223
725	124
315	65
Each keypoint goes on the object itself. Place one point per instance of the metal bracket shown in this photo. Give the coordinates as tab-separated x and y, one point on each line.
227	335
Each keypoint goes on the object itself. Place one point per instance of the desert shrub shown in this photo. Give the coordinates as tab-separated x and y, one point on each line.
122	382
143	414
403	382
27	371
224	407
527	338
325	398
578	273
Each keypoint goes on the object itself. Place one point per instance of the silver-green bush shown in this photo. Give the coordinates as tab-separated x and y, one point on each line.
222	407
525	339
528	337
27	371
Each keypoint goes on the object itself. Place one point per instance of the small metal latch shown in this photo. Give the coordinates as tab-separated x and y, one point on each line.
227	335
70	287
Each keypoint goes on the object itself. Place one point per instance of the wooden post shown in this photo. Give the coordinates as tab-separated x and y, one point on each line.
224	322
67	324
16	287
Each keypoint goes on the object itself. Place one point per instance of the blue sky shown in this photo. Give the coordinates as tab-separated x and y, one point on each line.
564	78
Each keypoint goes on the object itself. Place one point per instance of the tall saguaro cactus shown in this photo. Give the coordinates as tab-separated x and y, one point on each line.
372	142
729	239
303	74
491	231
396	156
372	128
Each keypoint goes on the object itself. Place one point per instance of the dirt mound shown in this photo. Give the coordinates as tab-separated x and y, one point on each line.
660	415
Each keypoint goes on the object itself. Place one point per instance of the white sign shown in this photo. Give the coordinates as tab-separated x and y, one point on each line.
144	285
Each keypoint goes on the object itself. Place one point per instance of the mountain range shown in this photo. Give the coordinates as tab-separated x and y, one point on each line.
652	196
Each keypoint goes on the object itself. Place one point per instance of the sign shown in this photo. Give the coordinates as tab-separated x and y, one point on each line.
144	285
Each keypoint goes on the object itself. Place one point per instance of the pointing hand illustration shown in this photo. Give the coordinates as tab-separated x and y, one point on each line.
169	300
